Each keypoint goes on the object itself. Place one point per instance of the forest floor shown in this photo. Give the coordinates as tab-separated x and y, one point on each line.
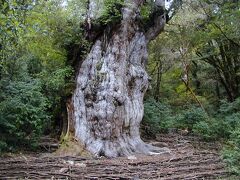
190	158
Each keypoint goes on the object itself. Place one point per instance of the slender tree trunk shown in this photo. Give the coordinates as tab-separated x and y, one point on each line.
107	105
159	80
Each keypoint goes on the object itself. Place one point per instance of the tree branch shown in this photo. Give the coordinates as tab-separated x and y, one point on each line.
159	20
161	16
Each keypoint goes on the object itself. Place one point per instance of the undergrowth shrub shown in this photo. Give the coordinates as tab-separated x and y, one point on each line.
3	146
188	118
157	117
22	113
212	129
231	152
221	124
227	108
204	129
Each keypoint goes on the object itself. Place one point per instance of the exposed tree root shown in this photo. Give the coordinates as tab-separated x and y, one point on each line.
185	162
125	147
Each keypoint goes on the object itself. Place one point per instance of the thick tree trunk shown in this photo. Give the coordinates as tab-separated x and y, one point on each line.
107	106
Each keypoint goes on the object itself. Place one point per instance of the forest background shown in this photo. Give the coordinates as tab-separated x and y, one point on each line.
194	65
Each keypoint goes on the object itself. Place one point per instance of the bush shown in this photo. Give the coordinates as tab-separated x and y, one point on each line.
222	124
227	108
188	118
231	152
233	120
212	129
22	113
157	117
3	146
204	130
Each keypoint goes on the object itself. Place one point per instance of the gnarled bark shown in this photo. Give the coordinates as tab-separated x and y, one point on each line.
107	105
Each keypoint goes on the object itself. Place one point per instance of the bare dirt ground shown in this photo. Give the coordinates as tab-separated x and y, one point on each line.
191	158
